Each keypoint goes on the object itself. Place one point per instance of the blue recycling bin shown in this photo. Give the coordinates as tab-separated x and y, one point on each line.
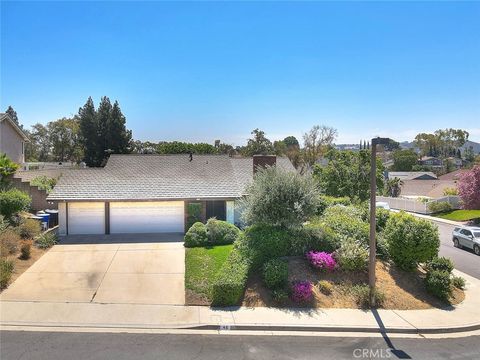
45	219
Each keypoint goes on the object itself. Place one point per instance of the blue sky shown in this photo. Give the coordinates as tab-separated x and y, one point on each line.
201	71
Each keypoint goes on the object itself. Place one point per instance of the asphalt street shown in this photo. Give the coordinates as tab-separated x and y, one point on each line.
464	259
55	345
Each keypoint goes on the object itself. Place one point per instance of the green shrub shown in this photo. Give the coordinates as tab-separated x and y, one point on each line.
280	296
196	235
352	256
326	201
265	242
25	251
440	264
439	284
361	294
410	241
325	287
44	183
346	221
230	284
221	232
382	216
13	201
194	213
314	236
9	242
29	228
440	206
450	191
382	248
6	270
3	224
458	282
280	198
275	273
46	240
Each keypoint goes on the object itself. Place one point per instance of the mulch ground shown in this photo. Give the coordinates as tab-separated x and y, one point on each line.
403	290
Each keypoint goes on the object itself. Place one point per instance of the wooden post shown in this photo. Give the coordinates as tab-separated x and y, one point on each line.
372	255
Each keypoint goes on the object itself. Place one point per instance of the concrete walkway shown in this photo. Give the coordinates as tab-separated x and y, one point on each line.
463	317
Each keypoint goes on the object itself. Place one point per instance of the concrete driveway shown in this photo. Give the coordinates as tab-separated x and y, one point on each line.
123	269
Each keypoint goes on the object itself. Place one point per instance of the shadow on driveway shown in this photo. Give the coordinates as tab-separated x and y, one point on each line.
121	238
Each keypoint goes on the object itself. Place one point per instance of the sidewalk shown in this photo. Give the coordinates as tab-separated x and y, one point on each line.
433	218
463	317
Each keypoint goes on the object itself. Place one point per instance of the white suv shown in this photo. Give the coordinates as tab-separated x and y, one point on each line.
467	236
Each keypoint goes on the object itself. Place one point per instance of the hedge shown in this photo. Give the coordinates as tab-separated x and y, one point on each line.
410	241
196	235
326	201
13	201
221	232
232	278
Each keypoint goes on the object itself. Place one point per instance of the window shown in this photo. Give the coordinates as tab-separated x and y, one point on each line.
23	148
466	232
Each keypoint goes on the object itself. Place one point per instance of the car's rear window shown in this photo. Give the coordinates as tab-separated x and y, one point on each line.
476	234
456	229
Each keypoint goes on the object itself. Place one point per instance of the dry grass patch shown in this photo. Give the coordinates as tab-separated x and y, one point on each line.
401	290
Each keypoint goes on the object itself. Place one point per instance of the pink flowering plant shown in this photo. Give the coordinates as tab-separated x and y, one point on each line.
322	260
302	291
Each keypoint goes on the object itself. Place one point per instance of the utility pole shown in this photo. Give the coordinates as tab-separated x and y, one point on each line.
373	200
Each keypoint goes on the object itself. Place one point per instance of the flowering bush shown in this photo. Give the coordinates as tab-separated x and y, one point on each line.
302	291
321	260
468	186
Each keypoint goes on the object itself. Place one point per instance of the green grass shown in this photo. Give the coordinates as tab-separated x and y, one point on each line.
202	265
459	215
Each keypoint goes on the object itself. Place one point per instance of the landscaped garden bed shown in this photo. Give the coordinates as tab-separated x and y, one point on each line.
303	249
460	215
345	289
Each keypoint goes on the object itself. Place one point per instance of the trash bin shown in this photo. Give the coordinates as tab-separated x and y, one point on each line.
45	219
53	217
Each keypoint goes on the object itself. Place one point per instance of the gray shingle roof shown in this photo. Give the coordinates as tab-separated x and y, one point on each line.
160	177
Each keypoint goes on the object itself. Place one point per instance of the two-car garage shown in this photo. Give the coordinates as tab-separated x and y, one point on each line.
121	217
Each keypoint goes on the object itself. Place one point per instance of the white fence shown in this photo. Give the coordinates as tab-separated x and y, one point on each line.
418	206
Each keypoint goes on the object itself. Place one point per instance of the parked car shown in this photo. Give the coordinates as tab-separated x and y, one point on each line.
382	205
468	237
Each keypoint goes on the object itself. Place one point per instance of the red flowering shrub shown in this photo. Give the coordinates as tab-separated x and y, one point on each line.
469	188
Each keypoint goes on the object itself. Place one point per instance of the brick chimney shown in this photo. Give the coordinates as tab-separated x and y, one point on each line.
262	161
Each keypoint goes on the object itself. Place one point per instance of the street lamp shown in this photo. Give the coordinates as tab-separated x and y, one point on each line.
373	200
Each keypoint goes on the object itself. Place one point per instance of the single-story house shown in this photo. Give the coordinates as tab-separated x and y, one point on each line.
431	161
12	139
151	193
411	175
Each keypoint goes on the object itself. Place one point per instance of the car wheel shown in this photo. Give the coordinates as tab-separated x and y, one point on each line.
456	243
476	249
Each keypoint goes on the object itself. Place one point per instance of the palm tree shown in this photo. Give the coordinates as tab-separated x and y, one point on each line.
394	187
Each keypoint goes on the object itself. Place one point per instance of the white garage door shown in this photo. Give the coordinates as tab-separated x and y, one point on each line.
86	218
146	217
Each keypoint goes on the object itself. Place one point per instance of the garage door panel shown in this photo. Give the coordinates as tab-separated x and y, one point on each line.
146	217
86	218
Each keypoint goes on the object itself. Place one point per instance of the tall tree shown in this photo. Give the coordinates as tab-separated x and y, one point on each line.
13	114
65	140
258	145
347	173
317	141
404	160
88	133
38	149
118	137
291	141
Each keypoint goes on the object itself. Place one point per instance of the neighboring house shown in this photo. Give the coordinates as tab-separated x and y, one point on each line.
456	162
411	175
433	162
12	139
151	193
426	188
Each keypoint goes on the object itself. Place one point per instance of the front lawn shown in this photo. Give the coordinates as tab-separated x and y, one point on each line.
459	215
201	267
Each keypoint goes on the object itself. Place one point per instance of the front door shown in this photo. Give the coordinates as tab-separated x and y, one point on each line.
217	209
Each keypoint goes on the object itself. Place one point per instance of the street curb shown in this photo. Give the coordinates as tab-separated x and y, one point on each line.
270	328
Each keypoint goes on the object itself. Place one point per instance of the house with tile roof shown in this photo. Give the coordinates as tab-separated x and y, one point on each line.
152	193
